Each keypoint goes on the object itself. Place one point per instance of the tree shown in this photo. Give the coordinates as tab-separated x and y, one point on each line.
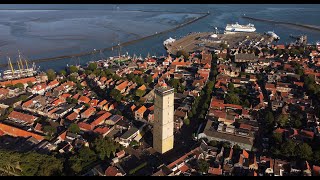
246	103
73	69
213	143
72	78
277	138
92	66
149	79
63	73
84	158
51	74
140	92
19	85
316	156
283	119
203	166
186	121
304	151
232	98
88	72
223	46
288	149
231	87
105	147
130	76
23	97
74	128
74	101
30	84
115	94
34	164
139	80
49	130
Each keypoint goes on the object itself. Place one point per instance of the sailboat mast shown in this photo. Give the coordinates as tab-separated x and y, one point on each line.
10	64
20	60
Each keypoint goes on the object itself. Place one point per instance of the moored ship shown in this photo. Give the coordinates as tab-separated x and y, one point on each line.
240	28
23	69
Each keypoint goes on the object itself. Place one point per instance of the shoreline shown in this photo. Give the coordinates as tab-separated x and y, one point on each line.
110	48
313	27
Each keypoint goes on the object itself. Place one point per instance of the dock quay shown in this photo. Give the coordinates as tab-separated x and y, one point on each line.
210	41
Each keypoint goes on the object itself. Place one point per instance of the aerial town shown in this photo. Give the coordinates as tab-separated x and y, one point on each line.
250	108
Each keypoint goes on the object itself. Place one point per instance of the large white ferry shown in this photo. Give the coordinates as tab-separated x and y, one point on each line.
168	41
240	28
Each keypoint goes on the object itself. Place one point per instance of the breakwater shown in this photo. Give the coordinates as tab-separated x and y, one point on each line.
115	46
313	27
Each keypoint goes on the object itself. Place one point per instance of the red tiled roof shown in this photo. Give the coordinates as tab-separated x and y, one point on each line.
84	99
65	95
94	102
38	127
72	116
215	171
122	86
84	126
245	154
23	81
184	168
4	91
141	110
13	131
63	135
316	170
111	171
88	112
27	103
76	96
58	101
245	126
102	103
53	83
101	119
121	153
22	117
101	130
307	133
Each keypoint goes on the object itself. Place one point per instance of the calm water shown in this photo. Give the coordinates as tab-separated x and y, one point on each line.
41	31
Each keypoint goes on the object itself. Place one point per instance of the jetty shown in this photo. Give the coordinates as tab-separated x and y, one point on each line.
313	27
203	15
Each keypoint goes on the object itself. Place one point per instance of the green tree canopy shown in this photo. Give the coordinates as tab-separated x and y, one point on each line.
283	119
186	121
74	128
92	66
73	69
49	130
232	98
203	166
304	151
63	72
84	158
105	147
19	85
51	74
277	138
140	92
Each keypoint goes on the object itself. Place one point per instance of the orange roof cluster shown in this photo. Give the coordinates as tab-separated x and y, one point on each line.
13	131
87	113
84	99
101	119
22	117
23	81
